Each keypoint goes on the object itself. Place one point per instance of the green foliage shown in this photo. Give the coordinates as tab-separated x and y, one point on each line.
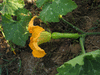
10	6
52	10
0	69
86	64
19	65
16	31
41	2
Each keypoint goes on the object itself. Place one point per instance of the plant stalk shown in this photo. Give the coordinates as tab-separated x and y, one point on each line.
8	63
82	39
72	26
57	35
92	33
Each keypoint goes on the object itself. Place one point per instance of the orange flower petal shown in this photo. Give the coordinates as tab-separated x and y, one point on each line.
36	33
38	54
31	24
39	36
35	30
37	51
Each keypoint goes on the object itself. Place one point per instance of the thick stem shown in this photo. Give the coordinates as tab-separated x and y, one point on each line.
57	35
72	26
82	39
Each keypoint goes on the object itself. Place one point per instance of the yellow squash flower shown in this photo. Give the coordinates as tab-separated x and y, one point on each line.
39	35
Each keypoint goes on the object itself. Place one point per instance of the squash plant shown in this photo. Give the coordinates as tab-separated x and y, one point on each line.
52	11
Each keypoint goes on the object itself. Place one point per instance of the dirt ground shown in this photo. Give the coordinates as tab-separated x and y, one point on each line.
85	17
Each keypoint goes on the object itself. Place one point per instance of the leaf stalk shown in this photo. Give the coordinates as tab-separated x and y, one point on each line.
82	39
72	26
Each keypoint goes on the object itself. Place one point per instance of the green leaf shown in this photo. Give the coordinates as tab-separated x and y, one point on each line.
41	2
86	64
7	19
9	6
16	31
51	11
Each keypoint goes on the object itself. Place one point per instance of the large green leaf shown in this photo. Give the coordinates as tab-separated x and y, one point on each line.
41	2
86	64
9	6
51	11
16	31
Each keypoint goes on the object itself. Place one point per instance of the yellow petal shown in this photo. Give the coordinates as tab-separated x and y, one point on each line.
34	39
36	30
36	33
37	51
31	24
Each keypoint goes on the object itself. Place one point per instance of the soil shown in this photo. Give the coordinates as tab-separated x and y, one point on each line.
85	17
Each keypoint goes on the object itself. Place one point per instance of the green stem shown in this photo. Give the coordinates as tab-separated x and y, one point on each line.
8	63
2	31
57	35
19	65
92	33
12	49
72	26
82	39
